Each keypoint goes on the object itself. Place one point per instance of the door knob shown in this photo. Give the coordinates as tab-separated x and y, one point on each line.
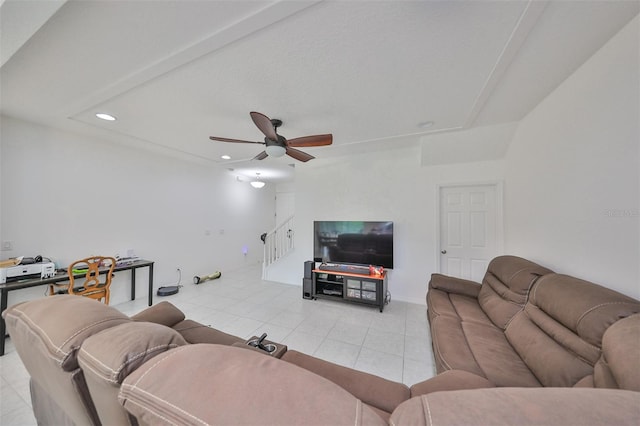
443	251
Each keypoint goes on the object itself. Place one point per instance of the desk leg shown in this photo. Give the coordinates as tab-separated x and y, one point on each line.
3	326
133	284
150	284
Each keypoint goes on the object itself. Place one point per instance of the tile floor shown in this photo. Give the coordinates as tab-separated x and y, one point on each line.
394	344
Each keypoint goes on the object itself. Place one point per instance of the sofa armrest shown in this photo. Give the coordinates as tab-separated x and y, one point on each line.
163	313
194	332
454	285
521	406
450	380
376	391
277	353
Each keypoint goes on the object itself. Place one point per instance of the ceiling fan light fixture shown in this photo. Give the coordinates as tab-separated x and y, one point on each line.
275	150
257	183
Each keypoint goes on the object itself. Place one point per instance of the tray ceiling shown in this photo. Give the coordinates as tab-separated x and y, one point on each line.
176	72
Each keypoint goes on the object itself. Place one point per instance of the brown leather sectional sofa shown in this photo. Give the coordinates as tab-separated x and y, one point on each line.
91	364
526	326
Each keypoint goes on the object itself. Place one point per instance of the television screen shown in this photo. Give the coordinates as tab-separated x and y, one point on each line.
353	242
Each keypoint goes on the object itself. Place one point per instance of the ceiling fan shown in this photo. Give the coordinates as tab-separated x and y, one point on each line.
277	145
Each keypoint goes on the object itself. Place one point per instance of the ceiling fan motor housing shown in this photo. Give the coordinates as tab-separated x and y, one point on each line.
280	142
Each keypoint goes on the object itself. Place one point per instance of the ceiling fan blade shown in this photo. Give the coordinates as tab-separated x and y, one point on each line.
264	124
299	155
261	156
215	138
315	140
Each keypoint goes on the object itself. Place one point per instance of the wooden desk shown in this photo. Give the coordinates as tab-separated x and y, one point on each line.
61	277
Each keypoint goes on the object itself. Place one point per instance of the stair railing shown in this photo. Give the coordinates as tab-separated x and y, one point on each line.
277	244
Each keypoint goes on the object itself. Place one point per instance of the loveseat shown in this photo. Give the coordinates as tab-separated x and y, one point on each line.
91	364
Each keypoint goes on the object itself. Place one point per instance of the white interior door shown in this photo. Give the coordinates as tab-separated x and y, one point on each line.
470	229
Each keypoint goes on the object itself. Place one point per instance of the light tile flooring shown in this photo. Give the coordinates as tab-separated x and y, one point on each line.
394	344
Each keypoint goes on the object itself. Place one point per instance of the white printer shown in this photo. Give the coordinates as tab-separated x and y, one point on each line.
32	270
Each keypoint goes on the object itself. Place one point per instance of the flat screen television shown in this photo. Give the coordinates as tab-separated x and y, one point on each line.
353	242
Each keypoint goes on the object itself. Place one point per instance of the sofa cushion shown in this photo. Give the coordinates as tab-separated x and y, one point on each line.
550	359
588	315
229	385
522	407
618	366
61	323
450	347
454	285
450	380
559	333
162	313
115	353
495	356
194	332
479	349
460	306
108	357
506	285
373	390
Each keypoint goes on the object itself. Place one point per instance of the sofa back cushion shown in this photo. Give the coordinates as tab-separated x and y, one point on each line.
506	285
47	334
618	365
216	384
520	406
559	333
107	358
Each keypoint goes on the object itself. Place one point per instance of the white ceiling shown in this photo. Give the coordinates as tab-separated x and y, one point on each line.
176	72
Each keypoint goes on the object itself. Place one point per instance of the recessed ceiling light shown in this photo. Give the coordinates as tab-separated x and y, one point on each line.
225	157
425	124
104	116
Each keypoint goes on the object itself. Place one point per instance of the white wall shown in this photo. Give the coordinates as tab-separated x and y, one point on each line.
572	172
379	186
571	179
66	196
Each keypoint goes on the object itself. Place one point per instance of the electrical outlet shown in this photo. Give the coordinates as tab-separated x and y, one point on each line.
7	245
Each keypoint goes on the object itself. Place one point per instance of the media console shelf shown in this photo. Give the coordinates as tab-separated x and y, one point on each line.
350	287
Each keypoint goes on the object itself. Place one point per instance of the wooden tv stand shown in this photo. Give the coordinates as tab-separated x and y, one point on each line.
350	287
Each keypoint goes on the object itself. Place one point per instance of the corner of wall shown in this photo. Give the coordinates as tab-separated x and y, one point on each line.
572	190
